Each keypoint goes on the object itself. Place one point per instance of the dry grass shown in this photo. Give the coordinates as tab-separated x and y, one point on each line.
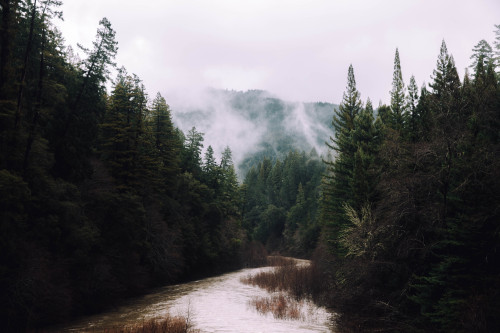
168	324
297	284
281	306
298	280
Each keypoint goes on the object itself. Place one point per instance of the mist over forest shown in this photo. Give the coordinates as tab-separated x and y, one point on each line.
255	124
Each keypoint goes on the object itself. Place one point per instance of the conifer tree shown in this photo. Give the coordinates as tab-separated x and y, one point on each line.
367	139
122	129
211	169
229	195
275	183
191	159
398	97
340	171
411	104
165	140
76	128
482	52
496	45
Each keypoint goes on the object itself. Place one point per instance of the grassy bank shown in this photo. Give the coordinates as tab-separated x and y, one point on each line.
294	285
299	280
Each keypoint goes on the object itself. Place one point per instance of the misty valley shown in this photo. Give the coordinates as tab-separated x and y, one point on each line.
122	211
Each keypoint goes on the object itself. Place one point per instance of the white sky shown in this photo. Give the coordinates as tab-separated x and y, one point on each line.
298	50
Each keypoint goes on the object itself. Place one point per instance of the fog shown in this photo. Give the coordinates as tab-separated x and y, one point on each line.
251	122
221	125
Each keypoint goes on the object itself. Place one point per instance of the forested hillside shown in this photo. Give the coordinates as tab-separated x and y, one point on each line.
281	203
101	196
257	123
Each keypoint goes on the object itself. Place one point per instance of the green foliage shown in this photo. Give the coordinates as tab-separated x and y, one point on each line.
94	206
191	153
280	203
398	114
350	178
419	249
482	54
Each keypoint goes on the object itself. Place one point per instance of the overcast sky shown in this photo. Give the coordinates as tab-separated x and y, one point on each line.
298	50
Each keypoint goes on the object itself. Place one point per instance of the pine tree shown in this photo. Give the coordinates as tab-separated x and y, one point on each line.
483	53
367	139
191	154
338	179
445	79
165	141
211	170
398	97
229	194
99	59
411	104
496	45
76	128
122	130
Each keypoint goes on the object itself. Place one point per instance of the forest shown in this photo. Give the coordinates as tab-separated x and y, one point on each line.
102	197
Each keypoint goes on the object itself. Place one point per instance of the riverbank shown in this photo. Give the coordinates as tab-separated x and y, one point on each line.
218	303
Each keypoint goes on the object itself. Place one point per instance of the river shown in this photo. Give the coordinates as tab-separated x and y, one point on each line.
215	304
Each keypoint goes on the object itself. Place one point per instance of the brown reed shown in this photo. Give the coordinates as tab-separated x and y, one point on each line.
166	324
281	306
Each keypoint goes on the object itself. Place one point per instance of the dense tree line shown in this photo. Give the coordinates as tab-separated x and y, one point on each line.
101	196
411	202
281	203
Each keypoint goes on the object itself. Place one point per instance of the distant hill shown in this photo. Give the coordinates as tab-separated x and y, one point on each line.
254	124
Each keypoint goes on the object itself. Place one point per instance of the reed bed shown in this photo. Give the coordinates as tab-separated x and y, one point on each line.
298	280
281	306
166	324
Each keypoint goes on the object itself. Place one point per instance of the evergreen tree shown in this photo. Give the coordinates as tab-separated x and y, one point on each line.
165	140
483	53
229	194
76	128
122	130
423	117
211	169
398	97
340	172
496	45
367	139
411	104
275	183
191	153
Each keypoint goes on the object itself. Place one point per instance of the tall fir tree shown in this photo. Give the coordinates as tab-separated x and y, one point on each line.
210	169
496	51
191	160
122	130
165	141
367	138
229	194
411	104
398	97
339	174
77	125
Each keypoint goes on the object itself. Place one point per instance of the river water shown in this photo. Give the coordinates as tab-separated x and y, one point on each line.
216	304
